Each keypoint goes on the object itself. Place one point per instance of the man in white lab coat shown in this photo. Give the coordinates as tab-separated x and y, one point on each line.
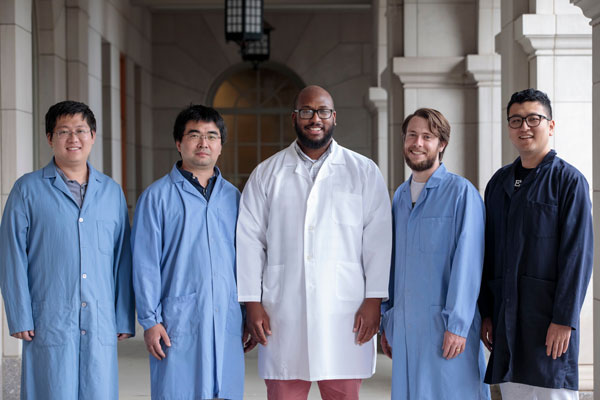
313	258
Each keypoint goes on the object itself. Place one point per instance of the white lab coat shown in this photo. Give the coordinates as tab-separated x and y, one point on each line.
311	253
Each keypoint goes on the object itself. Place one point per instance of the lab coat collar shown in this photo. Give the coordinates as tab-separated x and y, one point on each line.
434	181
178	179
291	157
94	179
509	181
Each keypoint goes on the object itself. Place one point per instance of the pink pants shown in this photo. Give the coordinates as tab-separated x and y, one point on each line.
296	389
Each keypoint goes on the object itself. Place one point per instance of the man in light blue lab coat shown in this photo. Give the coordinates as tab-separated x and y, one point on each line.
184	269
65	269
431	322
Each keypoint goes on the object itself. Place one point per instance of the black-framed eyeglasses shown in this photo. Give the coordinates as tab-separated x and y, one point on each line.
533	120
307	113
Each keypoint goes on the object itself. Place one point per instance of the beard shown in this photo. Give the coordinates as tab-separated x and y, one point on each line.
310	143
420	166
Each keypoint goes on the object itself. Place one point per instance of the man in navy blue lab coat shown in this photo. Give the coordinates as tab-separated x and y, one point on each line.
538	261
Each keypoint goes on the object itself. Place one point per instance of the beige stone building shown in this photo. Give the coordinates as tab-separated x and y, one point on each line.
138	62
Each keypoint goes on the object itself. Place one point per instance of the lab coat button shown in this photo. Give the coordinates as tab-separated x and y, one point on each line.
83	332
311	228
84	304
84	276
80	219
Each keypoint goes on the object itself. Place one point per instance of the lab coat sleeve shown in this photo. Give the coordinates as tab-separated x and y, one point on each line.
465	274
124	302
575	253
251	239
14	264
387	307
377	235
146	240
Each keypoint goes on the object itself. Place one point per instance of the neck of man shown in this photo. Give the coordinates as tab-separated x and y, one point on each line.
202	174
76	172
314	154
532	160
423	176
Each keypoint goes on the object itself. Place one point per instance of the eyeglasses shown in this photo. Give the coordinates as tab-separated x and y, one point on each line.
63	133
307	113
533	120
196	137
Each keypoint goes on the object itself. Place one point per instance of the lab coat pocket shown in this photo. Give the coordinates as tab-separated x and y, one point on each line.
536	298
106	240
435	234
52	323
107	324
179	315
272	282
542	216
347	208
437	327
349	281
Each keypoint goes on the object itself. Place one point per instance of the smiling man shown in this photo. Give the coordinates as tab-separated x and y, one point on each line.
538	261
184	269
314	245
65	269
430	322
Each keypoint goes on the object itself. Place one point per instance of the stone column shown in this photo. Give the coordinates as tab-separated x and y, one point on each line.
547	45
377	102
591	9
111	111
16	127
77	49
376	99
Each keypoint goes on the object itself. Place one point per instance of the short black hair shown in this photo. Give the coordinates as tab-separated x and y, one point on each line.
68	107
530	95
197	112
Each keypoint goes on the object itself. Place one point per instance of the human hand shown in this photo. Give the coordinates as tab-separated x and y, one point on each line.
24	335
385	346
123	336
257	322
453	345
366	320
486	333
152	338
247	341
557	340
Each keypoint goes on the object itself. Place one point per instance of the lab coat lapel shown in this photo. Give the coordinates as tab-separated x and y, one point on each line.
50	172
334	158
179	180
95	179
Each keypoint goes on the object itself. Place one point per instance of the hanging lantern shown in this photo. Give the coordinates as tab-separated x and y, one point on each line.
243	20
258	50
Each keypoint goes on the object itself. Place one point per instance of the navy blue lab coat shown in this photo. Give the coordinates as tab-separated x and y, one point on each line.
537	266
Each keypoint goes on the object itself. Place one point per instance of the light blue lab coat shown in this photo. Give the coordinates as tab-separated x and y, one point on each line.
184	278
65	272
434	285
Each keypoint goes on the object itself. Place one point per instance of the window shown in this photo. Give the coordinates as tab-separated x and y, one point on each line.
256	105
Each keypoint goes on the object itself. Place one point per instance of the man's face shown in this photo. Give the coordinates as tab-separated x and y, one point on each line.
421	146
198	151
316	132
71	141
527	140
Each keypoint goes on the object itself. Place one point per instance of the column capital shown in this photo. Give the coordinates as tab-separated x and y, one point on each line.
590	8
484	69
376	99
430	72
549	34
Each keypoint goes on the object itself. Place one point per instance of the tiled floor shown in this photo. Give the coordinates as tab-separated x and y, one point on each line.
134	380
